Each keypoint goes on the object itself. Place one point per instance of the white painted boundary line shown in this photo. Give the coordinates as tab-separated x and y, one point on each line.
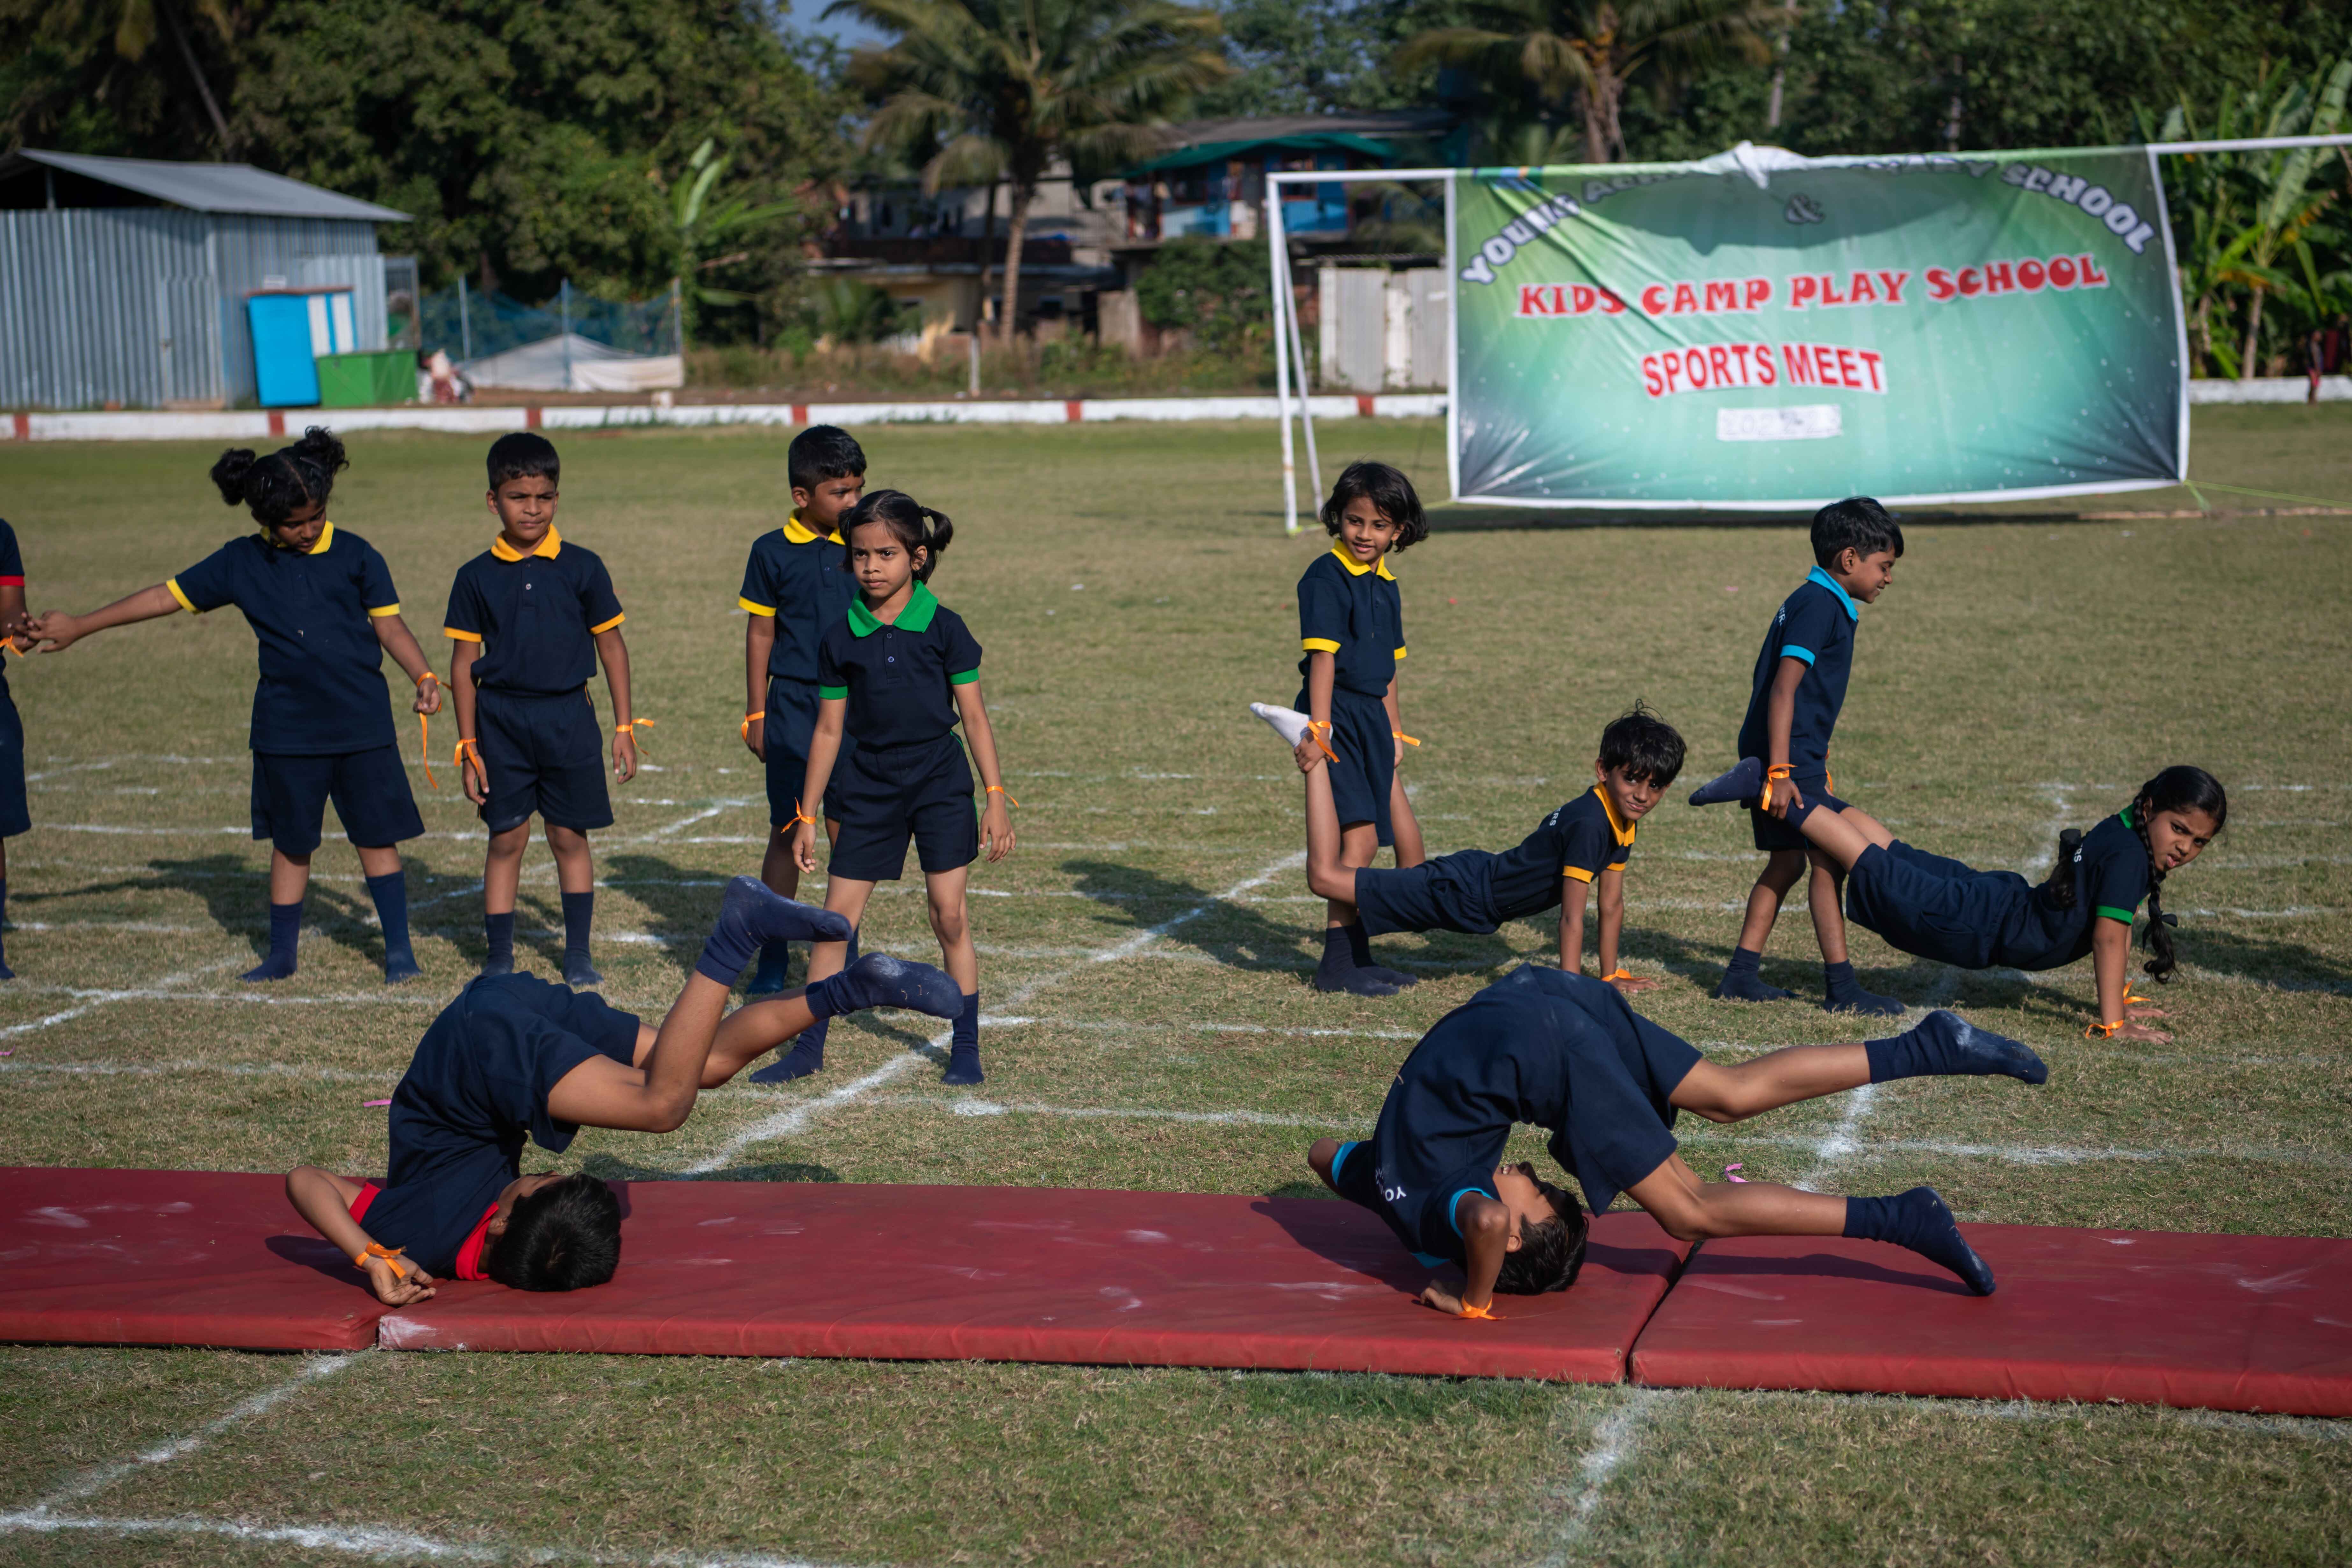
383	1543
1614	1439
787	1122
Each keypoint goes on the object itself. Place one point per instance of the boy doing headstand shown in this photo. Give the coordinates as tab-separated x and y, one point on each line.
795	587
529	617
1793	707
515	1060
1580	849
1565	1053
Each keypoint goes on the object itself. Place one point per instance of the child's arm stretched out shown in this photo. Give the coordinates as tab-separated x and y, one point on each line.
759	643
324	1201
60	631
1572	892
995	821
1612	881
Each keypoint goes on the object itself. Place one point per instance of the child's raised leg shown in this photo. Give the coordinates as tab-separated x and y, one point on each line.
1740	982
289	883
782	873
387	886
846	898
576	879
1331	874
951	923
501	877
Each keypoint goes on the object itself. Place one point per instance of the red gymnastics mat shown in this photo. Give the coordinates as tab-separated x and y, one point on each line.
2224	1322
171	1257
1030	1275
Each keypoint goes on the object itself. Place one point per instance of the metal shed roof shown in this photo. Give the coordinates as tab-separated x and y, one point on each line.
207	187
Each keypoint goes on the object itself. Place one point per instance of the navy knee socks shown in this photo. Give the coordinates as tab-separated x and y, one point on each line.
285	929
579	915
499	931
1843	994
1338	972
390	892
1945	1045
5	972
1920	1220
1360	951
963	1044
775	972
1741	983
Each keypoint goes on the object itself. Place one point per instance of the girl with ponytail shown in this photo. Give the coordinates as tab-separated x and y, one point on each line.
1940	908
894	674
321	603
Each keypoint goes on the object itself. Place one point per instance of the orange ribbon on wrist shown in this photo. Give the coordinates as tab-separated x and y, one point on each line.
1783	772
1620	973
632	727
1400	735
746	730
1483	1314
2106	1031
1000	789
424	747
458	758
800	815
1315	728
389	1254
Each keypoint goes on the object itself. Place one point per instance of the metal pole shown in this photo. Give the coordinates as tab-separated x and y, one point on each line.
564	296
2251	144
1452	357
1276	248
971	341
464	323
1298	368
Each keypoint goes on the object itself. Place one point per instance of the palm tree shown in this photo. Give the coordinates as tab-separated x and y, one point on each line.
1003	88
1590	50
132	25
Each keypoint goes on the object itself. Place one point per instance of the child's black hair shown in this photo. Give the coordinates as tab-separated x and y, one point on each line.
1642	745
915	526
1386	488
276	486
822	452
1857	523
565	1236
2178	788
524	454
1550	1254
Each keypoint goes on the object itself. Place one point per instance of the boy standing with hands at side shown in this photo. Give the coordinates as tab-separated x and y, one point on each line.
795	585
530	618
1793	707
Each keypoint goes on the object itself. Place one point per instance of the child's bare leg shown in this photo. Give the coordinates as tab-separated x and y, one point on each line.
751	1032
576	879
951	923
1360	845
289	880
1839	837
1740	981
847	899
1822	896
1842	992
1733	1091
1328	876
1347	964
502	869
1403	826
290	877
778	870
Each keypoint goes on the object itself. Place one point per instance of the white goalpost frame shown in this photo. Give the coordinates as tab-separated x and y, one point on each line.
1287	346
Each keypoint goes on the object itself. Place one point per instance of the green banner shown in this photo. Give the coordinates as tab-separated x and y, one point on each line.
1763	331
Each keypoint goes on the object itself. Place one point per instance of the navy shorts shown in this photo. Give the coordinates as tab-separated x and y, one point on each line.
1774	832
886	794
1453	892
785	738
1352	1174
545	758
370	790
16	815
1360	738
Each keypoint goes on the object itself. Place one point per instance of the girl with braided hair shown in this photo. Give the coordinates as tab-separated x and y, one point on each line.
1940	908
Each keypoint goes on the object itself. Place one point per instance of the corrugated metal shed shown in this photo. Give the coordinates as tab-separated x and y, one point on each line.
145	305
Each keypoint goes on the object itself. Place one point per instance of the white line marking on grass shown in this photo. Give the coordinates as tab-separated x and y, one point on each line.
386	1541
90	1482
1613	1440
2023	1153
786	1122
98	999
1101	1112
226	1069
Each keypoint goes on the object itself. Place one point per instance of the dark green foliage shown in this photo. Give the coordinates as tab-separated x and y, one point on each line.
1215	290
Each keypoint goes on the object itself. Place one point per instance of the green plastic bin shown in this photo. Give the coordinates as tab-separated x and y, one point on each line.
367	381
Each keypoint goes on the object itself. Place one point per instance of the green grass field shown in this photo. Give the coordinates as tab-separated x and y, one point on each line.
1134	591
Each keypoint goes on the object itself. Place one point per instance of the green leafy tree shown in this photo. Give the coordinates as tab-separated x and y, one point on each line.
1002	90
1215	290
74	65
705	224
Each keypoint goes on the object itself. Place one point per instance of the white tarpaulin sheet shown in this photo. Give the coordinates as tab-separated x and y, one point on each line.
575	364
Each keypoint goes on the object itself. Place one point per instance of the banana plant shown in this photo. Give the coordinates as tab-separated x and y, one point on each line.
2286	210
704	225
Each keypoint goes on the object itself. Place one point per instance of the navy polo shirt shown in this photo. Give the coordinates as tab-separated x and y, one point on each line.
1815	624
2111	881
475	1092
800	579
536	615
1562	1052
314	614
12	575
1582	839
1354	613
899	677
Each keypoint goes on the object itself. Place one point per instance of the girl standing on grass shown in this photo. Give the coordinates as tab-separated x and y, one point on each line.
321	603
1940	908
1351	636
895	675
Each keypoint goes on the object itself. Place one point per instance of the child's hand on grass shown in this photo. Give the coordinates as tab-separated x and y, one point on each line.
394	1290
625	755
1632	984
997	829
2142	1033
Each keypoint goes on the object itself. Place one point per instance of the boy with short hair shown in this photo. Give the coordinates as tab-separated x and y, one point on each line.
795	585
515	1060
529	617
1793	707
1580	848
1565	1053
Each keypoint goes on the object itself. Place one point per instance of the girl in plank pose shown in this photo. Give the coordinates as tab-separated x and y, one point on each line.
1940	908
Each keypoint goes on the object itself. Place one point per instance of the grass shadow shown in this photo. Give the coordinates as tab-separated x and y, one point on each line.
1236	934
679	902
236	896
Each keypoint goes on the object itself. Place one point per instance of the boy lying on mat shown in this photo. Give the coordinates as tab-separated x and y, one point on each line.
1564	1052
515	1058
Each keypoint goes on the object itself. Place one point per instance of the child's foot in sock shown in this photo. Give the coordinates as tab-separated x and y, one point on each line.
1288	722
750	917
285	931
400	967
774	972
879	980
1748	987
1359	950
804	1055
963	1066
1338	972
578	971
1946	1044
496	966
7	972
277	967
1843	994
963	1043
1744	782
1920	1221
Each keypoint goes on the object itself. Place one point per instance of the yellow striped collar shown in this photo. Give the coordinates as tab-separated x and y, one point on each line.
1617	825
1357	568
319	547
798	532
550	546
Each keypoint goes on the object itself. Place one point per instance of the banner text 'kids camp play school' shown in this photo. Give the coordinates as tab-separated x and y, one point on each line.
1766	330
